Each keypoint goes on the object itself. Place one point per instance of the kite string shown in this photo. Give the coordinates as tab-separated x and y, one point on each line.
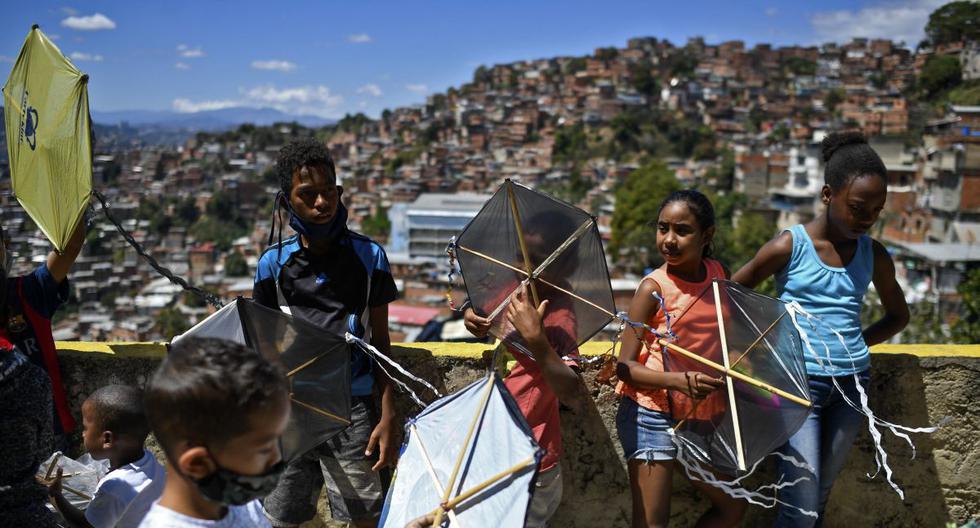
209	297
881	457
381	358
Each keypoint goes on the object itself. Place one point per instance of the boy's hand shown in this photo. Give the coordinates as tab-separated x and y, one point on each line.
383	438
478	326
53	484
525	318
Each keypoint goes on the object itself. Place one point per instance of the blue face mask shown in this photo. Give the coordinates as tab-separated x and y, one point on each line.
329	232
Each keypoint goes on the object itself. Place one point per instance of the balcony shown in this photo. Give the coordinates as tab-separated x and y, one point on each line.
913	385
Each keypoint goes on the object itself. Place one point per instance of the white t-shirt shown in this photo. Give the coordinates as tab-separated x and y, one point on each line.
248	515
125	494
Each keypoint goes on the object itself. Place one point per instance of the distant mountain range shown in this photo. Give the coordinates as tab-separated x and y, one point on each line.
206	119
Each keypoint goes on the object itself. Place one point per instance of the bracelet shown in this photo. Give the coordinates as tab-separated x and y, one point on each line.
466	304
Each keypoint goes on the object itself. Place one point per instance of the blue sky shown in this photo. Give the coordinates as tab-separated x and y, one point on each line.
330	58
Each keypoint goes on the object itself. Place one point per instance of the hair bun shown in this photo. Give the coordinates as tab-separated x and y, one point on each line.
833	142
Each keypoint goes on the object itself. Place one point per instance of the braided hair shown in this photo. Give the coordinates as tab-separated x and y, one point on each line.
847	155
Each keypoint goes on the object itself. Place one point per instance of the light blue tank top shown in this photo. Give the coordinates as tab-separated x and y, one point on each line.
835	295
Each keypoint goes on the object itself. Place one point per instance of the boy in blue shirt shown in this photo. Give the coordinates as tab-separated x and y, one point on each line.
341	281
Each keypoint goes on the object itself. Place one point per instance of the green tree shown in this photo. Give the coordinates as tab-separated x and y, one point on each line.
954	22
571	144
606	54
801	66
967	328
235	265
377	225
575	65
832	99
637	205
171	322
939	74
643	80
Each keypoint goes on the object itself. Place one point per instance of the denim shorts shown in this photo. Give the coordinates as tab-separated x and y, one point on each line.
644	434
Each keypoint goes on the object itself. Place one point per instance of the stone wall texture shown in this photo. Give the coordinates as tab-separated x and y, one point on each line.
912	385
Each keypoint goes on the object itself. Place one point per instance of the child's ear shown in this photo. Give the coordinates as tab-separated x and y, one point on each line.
709	235
107	439
825	193
196	463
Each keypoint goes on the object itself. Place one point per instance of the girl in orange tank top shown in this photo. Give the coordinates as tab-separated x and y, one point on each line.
685	226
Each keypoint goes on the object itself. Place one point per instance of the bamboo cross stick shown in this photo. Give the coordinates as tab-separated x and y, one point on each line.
319	410
740	454
293	372
462	452
524	464
431	470
733	373
75	491
520	238
52	465
733	365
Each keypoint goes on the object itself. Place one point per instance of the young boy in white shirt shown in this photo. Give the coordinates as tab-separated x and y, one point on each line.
218	409
115	428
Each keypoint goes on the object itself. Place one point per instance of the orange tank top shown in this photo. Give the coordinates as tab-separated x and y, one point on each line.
678	296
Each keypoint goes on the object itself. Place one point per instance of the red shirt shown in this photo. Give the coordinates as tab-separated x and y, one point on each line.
537	402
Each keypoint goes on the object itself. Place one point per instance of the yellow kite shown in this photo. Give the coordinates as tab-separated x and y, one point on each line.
48	137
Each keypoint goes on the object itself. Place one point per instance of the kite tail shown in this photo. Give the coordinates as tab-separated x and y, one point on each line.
381	359
691	458
862	407
209	297
451	252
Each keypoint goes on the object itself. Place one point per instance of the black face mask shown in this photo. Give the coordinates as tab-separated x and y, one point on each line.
228	487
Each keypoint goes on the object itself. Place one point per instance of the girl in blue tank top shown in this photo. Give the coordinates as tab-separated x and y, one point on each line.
826	266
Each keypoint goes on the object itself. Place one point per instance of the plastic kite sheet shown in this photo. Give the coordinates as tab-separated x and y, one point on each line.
470	458
316	362
48	137
80	477
524	236
749	340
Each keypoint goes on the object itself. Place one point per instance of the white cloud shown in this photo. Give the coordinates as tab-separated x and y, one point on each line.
771	11
89	23
370	89
54	36
4	58
900	20
182	66
68	11
85	57
275	65
300	100
186	106
417	88
359	38
188	52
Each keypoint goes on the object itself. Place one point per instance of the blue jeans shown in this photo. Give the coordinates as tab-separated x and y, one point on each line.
644	434
824	441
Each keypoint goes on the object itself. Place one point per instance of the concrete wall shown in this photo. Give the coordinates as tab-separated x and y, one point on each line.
911	385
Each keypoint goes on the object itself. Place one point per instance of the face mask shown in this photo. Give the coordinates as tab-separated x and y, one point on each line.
329	232
228	487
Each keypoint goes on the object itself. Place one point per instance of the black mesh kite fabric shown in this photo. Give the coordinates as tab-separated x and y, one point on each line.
561	252
739	424
317	364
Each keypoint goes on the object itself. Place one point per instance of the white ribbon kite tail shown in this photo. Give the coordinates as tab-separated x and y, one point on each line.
901	431
381	359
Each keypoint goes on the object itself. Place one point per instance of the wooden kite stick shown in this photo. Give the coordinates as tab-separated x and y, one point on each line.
524	464
733	365
52	465
293	372
75	491
739	452
520	239
431	470
465	448
320	411
733	373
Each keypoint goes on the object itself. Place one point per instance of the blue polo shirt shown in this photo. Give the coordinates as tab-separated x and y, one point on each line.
332	291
